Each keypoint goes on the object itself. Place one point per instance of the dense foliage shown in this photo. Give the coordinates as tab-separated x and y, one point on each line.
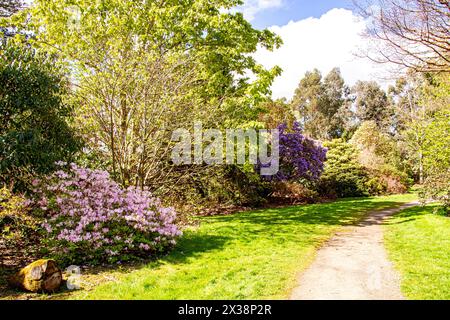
146	68
89	218
301	158
437	160
343	176
378	152
18	227
34	132
321	105
371	103
219	186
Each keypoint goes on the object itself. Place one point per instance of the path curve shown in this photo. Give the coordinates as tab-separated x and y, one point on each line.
353	265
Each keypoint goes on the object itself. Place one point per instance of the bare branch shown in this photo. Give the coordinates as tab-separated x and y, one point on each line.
415	33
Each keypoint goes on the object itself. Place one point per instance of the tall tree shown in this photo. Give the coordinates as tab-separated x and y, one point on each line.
321	104
145	68
372	104
307	97
336	107
436	150
412	115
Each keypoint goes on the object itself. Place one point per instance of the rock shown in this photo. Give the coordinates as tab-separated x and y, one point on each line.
40	276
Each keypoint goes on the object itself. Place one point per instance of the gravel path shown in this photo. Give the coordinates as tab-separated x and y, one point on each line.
353	265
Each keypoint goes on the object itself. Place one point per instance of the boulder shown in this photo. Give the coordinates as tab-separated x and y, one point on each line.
40	276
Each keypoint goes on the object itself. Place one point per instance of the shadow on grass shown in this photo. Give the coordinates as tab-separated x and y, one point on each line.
408	215
343	212
190	246
278	225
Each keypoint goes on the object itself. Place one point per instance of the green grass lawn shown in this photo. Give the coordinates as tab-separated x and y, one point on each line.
418	243
252	255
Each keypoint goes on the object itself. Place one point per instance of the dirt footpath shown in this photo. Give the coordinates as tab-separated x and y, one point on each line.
353	265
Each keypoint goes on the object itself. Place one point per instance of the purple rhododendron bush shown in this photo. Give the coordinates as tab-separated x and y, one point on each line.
89	218
301	158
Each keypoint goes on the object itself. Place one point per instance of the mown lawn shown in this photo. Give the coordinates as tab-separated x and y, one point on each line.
252	255
418	243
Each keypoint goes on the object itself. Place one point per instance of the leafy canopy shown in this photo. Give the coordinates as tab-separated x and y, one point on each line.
321	104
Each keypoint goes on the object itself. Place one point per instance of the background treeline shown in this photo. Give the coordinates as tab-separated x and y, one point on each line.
378	140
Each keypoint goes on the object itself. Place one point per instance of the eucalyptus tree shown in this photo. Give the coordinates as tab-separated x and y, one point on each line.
321	104
372	104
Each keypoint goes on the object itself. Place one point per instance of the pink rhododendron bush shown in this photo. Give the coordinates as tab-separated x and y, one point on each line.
90	218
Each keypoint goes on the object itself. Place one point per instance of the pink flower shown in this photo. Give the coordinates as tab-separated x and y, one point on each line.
85	206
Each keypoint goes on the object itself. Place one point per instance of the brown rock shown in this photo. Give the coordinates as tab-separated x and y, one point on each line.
39	276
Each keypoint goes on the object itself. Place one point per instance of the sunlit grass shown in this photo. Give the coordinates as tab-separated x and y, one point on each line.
418	242
252	255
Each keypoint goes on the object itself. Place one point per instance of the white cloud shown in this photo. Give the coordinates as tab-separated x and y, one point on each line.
324	43
252	7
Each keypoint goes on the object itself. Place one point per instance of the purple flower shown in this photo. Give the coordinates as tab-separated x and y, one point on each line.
88	211
301	158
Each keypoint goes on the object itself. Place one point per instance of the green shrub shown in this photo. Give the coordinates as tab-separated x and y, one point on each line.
219	186
34	132
376	186
343	175
17	226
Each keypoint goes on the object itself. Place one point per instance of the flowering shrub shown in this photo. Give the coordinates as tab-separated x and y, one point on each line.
88	217
301	158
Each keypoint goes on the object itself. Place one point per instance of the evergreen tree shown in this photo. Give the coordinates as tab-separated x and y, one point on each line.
321	104
372	104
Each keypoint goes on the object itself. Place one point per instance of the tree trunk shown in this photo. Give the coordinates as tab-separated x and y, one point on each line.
39	276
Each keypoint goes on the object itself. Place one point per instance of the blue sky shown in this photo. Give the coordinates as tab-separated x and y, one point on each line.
320	34
280	12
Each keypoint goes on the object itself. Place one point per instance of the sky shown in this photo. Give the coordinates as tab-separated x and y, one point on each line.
266	13
320	34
